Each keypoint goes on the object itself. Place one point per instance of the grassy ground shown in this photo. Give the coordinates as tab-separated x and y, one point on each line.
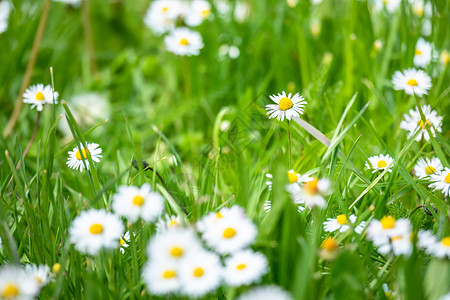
171	111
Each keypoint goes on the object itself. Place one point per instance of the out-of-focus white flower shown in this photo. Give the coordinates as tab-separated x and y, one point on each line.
183	41
244	268
168	222
341	223
162	14
198	11
391	235
422	53
241	11
17	284
390	5
41	273
5	9
266	292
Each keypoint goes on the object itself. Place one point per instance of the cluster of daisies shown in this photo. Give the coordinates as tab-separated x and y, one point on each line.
17	282
163	16
195	262
396	236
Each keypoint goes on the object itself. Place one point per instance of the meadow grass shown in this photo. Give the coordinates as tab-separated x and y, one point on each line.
200	124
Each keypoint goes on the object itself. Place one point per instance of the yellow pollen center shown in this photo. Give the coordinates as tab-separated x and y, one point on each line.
39	280
412	82
78	154
198	272
387	222
241	266
285	103
96	228
418	52
219	215
330	244
229	233
169	274
122	241
184	42
138	200
311	187
422	124
292	176
205	13
176	251
447	178
173	223
40	96
430	170
165	9
342	219
381	164
385	1
10	291
446	241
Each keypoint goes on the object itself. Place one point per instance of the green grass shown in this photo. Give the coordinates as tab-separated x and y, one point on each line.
166	109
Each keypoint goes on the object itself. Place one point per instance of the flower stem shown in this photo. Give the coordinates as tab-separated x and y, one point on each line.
290	146
26	78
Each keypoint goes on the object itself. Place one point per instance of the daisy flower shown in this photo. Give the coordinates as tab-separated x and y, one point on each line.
41	274
16	283
94	229
422	53
294	177
341	223
199	10
380	163
266	292
413	122
161	276
76	162
133	203
183	41
311	193
329	248
445	297
390	234
412	81
5	9
441	181
38	95
228	230
174	245
286	106
390	5
425	239
426	167
244	268
161	15
124	240
200	274
433	246
168	222
269	182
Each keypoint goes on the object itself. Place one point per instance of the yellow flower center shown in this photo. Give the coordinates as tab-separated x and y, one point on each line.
342	219
446	241
418	52
40	96
241	266
176	251
311	187
38	279
285	103
412	82
329	244
122	241
169	274
229	232
387	222
56	268
219	215
205	13
198	272
165	9
422	124
447	178
173	223
430	170
381	164
396	238
78	154
385	1
138	200
96	228
292	176
10	291
184	42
